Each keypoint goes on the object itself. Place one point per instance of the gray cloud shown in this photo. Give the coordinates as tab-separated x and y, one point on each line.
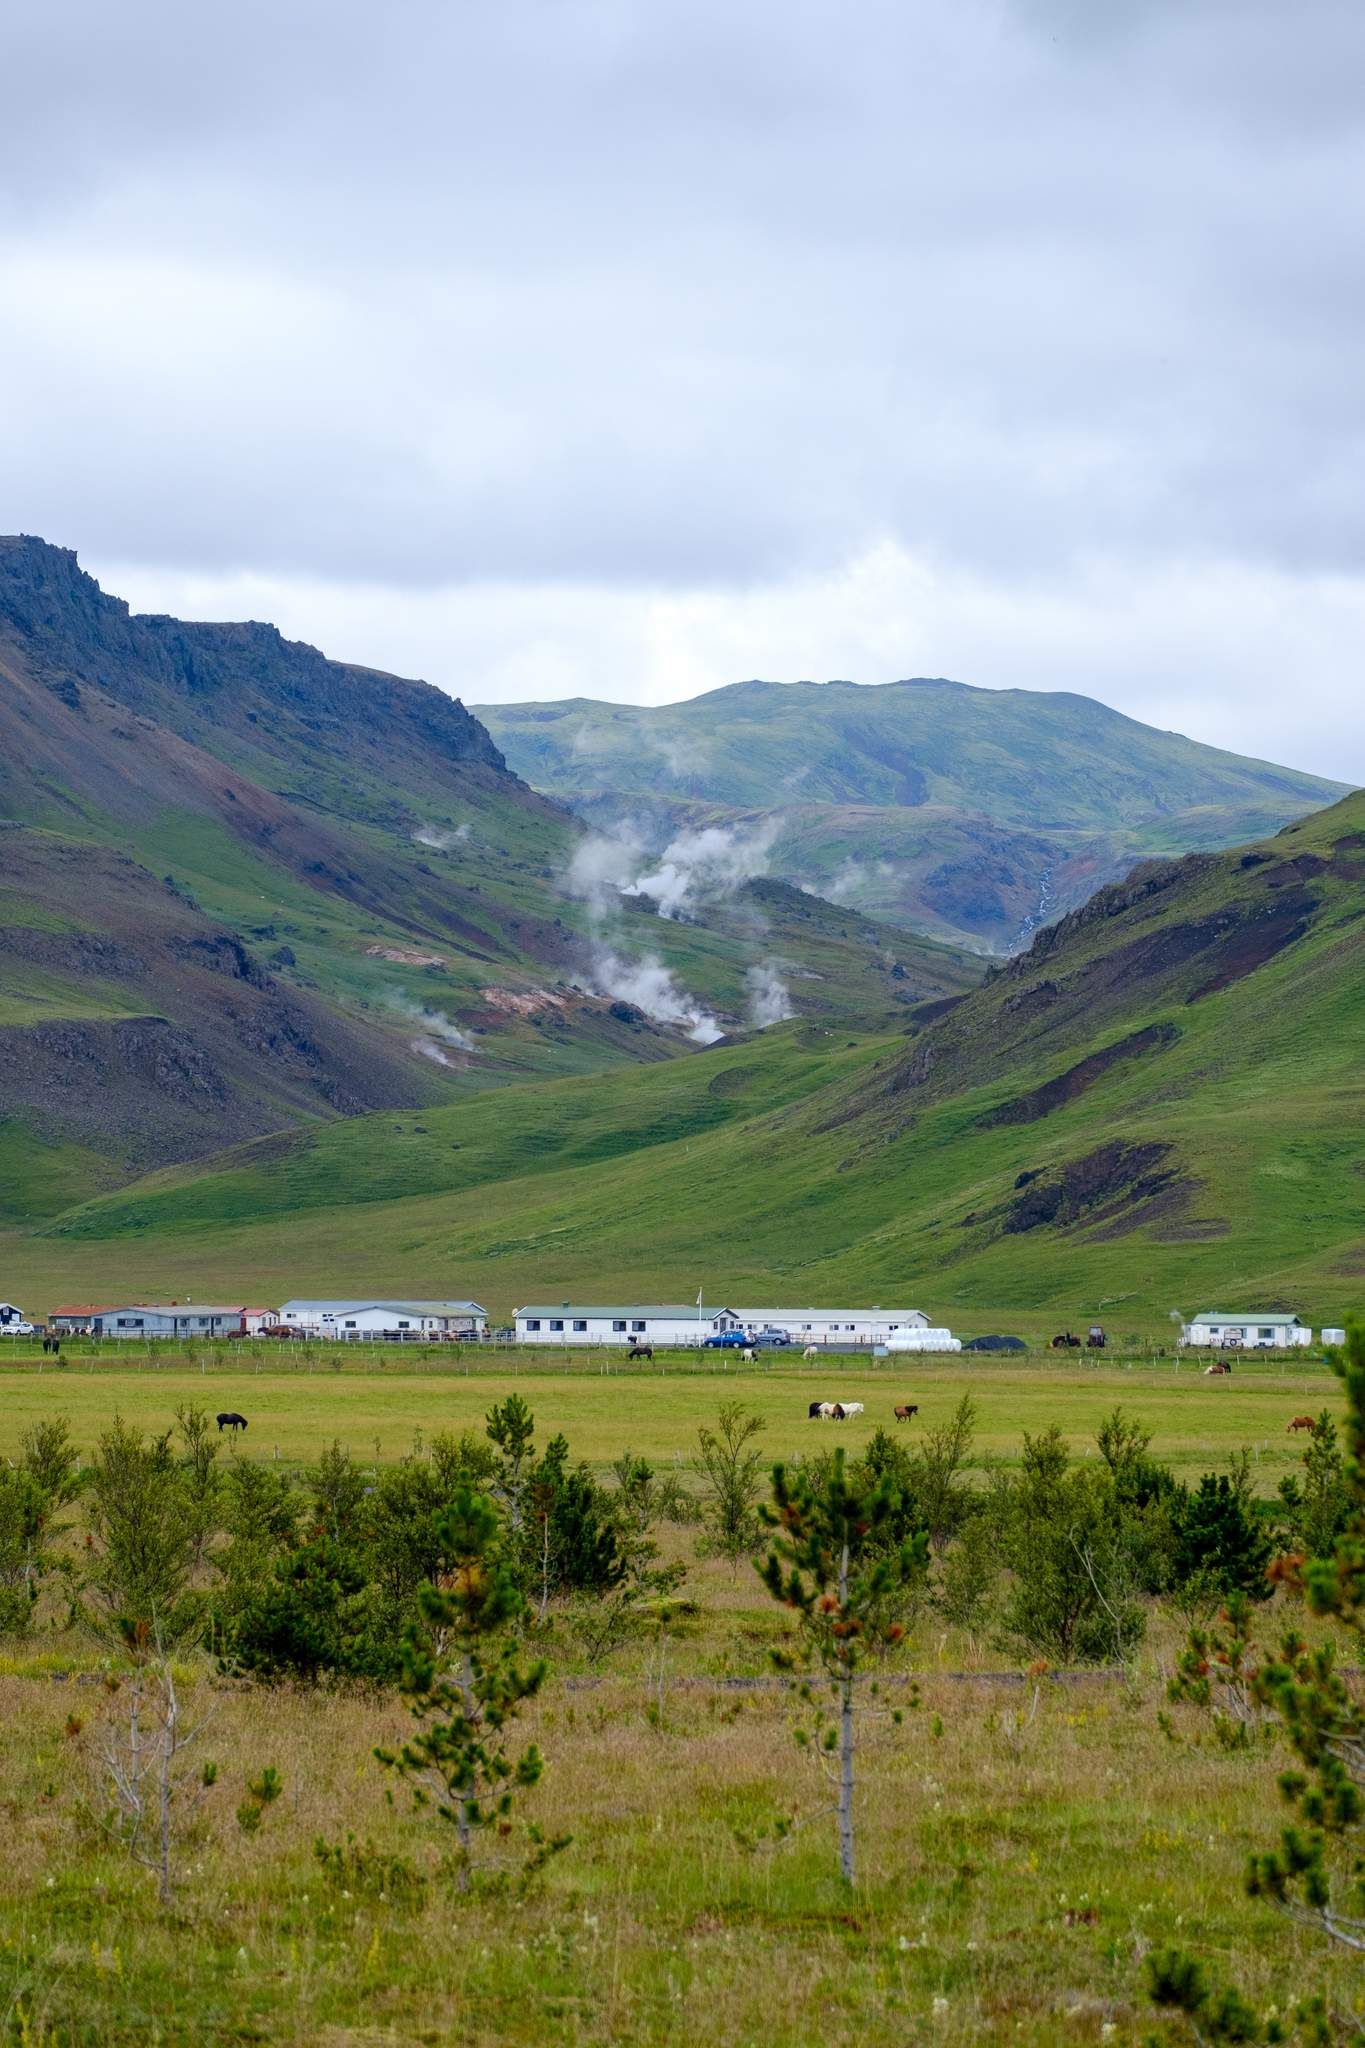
532	312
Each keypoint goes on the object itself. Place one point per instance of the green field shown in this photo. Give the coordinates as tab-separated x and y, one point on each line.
378	1412
1025	1841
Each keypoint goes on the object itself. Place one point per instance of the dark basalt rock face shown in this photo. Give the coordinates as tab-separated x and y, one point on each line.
241	676
1040	1102
1113	1177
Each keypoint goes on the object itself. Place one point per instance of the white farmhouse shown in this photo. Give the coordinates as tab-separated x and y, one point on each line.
1249	1332
673	1323
654	1323
175	1319
390	1321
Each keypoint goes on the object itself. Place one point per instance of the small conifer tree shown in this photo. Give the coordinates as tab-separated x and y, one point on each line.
829	1562
465	1695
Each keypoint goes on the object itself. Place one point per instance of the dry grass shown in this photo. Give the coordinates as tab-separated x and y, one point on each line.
1017	1862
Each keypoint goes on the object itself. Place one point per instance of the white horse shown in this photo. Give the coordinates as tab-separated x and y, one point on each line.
852	1408
811	1351
747	1355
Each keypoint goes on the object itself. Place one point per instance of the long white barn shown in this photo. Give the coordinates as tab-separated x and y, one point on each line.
352	1321
684	1323
1251	1332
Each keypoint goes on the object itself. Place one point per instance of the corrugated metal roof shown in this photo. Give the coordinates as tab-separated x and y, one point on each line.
170	1308
674	1311
863	1315
350	1308
679	1312
1212	1315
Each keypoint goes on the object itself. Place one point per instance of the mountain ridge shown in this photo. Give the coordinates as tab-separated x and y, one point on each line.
975	814
397	903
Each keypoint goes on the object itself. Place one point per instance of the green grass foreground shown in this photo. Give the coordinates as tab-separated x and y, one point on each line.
1021	1860
1026	1839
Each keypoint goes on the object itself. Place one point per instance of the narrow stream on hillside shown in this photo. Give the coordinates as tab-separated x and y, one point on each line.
1030	924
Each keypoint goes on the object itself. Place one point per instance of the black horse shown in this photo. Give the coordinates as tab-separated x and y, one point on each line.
640	1351
232	1421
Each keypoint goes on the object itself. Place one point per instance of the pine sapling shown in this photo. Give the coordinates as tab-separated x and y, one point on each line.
830	1564
465	1697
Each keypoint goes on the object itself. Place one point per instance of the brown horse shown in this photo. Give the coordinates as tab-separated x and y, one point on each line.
904	1414
1302	1422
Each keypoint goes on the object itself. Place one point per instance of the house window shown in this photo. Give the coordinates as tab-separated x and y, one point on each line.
1267	1333
619	1324
556	1322
533	1322
405	1326
579	1323
348	1326
637	1326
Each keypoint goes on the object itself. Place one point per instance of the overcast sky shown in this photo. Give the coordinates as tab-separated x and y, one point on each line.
568	347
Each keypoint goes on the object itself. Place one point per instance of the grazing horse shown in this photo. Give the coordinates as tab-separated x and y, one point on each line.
1303	1422
1218	1370
746	1356
837	1411
811	1351
640	1351
904	1414
231	1420
853	1408
1066	1342
816	1410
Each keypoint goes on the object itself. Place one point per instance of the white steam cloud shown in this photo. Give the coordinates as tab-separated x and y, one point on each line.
694	869
436	1035
851	877
603	869
650	986
706	866
769	997
443	841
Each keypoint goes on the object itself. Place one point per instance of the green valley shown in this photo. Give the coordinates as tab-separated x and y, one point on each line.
1161	1100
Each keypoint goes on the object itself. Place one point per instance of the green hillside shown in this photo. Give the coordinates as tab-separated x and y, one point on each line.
245	887
1162	1100
975	813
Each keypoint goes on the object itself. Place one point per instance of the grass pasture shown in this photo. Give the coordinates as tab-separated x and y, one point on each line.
1023	1842
377	1405
1018	1864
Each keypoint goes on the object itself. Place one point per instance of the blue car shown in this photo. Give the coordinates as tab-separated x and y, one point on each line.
725	1340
